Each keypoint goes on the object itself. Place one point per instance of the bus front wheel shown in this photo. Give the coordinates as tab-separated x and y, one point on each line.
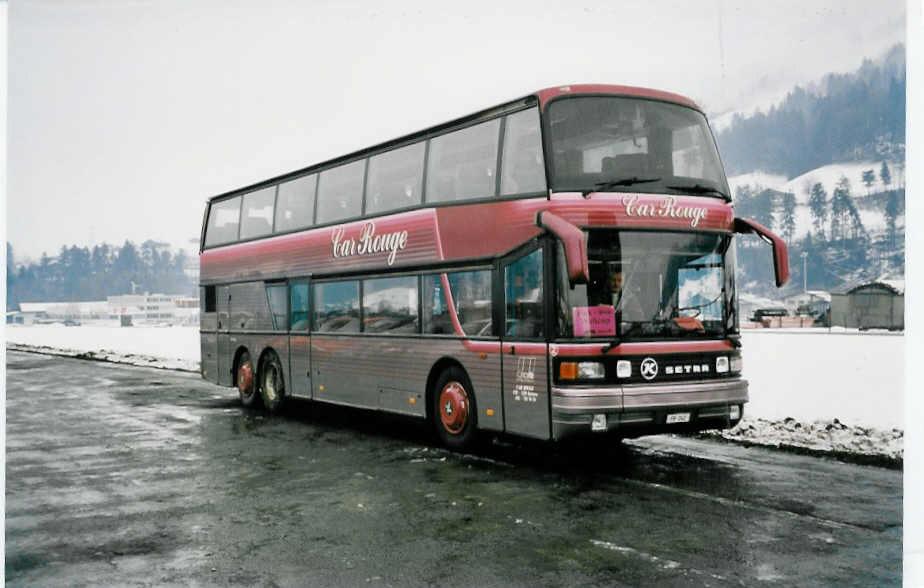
246	385
272	383
453	409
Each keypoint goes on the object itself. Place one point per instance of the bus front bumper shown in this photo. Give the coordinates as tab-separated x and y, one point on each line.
645	409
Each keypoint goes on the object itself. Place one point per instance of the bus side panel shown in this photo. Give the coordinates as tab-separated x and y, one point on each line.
224	357
209	355
484	371
208	344
299	382
526	389
390	373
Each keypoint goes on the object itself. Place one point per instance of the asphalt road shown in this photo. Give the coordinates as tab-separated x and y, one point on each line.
126	476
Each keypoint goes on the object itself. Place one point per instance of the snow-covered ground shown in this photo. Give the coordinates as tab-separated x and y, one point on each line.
811	374
838	391
167	347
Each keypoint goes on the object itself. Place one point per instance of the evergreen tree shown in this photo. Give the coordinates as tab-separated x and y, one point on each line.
788	217
892	211
838	210
885	175
763	208
818	206
868	178
126	269
11	290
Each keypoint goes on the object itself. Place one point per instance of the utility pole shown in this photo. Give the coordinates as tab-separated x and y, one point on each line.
804	275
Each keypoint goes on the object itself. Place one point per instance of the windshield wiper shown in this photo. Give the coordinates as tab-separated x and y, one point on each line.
699	189
631	181
609	346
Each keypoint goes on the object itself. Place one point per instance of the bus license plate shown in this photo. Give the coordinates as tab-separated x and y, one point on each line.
678	417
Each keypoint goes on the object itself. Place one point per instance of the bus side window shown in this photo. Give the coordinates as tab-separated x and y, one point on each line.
223	223
390	305
276	299
336	307
523	293
295	203
298	306
209	299
471	293
436	319
395	179
340	192
462	164
257	213
523	169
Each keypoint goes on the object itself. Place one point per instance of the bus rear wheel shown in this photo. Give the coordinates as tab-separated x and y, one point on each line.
453	409
272	383
246	385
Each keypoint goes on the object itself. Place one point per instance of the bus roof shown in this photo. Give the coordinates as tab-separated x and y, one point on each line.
541	97
549	93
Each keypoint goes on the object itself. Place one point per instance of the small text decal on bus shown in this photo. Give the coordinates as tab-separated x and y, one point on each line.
667	208
368	242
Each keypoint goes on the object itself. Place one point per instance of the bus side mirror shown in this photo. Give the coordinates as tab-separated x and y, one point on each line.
572	238
780	252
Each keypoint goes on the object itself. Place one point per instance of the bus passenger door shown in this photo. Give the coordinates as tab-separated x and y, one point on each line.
223	302
523	345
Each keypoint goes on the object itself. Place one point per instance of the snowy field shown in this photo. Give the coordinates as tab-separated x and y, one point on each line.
802	374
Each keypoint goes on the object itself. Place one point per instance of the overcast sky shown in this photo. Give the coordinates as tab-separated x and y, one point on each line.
124	117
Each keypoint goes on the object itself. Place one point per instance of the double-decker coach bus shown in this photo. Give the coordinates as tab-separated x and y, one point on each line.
561	263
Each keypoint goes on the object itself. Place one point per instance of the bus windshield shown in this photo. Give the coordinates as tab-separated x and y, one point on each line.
631	144
649	285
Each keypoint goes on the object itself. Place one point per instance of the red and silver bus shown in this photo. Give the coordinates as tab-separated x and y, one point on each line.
559	264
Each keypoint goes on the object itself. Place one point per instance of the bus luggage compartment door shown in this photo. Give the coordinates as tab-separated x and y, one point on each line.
526	389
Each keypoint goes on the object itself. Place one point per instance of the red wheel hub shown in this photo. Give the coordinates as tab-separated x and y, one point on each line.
245	377
454	407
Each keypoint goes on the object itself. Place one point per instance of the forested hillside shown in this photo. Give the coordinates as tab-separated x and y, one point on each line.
844	117
83	274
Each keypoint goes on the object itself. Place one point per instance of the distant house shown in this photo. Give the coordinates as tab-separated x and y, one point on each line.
65	311
154	309
25	318
813	303
878	304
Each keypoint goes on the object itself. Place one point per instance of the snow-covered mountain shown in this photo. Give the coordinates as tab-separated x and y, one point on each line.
872	211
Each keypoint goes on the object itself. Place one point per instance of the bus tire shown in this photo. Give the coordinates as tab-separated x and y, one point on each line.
272	383
453	409
246	384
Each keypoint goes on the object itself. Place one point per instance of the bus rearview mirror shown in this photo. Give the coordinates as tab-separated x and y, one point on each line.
574	242
746	226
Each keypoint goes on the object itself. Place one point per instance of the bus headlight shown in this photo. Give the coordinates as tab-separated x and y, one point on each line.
590	370
721	365
735	364
584	370
623	368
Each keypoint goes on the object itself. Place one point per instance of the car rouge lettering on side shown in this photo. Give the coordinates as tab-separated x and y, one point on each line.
667	208
367	243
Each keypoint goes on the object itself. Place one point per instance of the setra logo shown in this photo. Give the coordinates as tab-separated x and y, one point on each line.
649	368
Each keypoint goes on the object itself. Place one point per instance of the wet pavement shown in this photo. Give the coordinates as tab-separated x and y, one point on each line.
131	476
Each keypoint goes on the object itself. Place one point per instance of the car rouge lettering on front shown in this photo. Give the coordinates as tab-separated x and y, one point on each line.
367	243
667	208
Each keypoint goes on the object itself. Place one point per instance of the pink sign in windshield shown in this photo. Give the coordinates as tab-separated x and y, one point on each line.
594	321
